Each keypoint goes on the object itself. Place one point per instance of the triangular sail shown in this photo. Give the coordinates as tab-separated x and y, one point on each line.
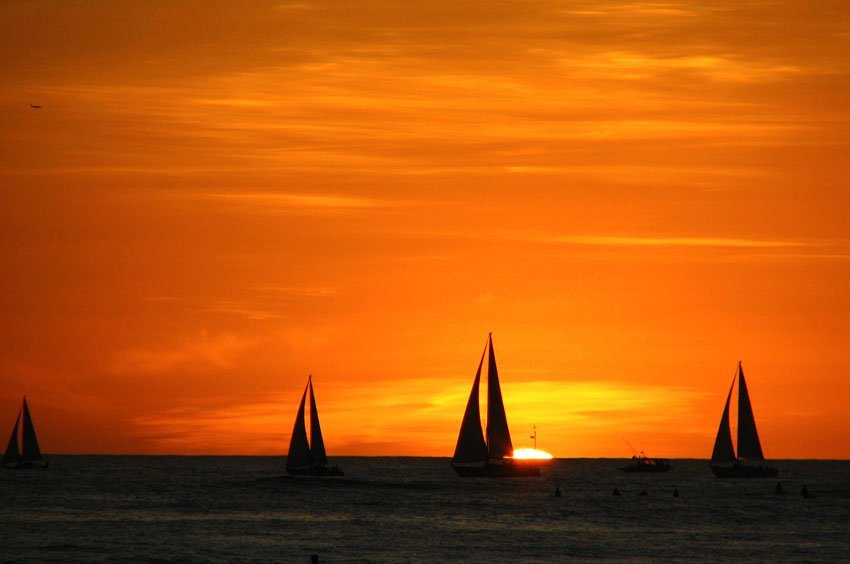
31	452
13	454
299	449
498	436
723	449
470	442
317	444
749	446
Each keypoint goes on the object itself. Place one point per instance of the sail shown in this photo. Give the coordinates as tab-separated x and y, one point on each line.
31	452
299	450
749	447
470	442
498	436
317	444
13	455
723	449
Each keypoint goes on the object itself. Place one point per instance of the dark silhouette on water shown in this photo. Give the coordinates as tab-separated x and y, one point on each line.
642	493
29	454
640	463
476	456
615	492
675	492
35	106
804	492
557	491
309	458
779	489
749	461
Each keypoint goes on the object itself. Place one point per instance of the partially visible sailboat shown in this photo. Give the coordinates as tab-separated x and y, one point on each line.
28	454
492	456
308	458
749	461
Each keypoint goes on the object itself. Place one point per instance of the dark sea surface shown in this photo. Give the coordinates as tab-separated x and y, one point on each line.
230	508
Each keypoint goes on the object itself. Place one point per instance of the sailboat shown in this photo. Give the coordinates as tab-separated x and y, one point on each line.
28	455
492	456
749	461
309	458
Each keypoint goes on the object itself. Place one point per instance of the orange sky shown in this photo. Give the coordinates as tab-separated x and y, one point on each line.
217	199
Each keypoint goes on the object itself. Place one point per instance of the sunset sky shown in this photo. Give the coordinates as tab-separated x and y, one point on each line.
217	199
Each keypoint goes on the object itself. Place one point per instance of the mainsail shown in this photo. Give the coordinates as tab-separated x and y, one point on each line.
31	452
317	444
749	446
723	449
498	436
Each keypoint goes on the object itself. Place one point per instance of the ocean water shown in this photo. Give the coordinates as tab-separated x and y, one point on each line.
107	508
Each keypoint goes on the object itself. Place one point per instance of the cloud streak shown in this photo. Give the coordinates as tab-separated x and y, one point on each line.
644	241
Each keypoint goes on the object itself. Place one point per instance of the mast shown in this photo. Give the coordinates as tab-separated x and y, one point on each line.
724	451
317	444
299	449
749	446
498	435
470	441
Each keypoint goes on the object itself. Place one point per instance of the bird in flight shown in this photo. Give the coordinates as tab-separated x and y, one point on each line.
35	106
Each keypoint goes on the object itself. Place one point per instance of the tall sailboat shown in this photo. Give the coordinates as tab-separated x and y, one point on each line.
27	455
308	458
749	461
489	453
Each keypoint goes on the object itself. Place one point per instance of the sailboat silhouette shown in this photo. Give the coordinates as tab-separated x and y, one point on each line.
749	461
308	458
28	455
490	453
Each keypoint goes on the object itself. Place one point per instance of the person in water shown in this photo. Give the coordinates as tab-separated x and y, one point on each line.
557	491
675	492
778	489
615	492
804	492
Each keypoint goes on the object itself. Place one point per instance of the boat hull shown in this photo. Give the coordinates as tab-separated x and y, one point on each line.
41	465
647	468
316	471
504	468
739	470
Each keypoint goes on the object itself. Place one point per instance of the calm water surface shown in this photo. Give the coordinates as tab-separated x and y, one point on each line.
415	509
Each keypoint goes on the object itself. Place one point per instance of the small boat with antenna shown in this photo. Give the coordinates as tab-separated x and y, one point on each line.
490	453
308	458
749	461
643	464
28	454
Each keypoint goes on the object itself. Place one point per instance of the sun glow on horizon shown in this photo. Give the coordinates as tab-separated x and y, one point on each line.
531	453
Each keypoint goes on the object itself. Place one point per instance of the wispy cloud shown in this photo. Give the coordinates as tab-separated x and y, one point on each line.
644	241
278	202
218	351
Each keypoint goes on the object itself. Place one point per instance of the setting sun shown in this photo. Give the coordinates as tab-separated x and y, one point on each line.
531	453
